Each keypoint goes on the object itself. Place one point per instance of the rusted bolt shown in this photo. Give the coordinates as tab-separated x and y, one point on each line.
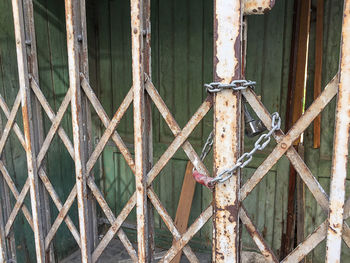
284	145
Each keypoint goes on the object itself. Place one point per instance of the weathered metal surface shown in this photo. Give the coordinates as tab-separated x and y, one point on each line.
111	125
7	244
319	234
17	207
10	122
56	200
174	127
314	239
170	224
187	236
179	140
105	120
54	118
111	218
147	68
16	194
116	224
30	123
257	237
309	115
38	125
61	216
75	55
137	28
307	245
257	7
307	174
110	132
340	148
227	128
182	136
291	153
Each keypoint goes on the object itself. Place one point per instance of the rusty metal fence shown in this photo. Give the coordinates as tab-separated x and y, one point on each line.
226	209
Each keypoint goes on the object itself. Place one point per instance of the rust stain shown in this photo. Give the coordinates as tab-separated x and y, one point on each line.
258	6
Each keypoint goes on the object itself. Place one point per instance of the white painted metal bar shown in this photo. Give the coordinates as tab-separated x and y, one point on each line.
227	118
139	128
31	52
30	123
77	57
340	147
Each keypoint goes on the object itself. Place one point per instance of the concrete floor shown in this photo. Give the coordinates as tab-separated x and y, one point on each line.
116	253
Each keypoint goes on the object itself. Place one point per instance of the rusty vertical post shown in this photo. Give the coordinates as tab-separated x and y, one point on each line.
78	63
138	59
87	131
30	124
147	64
340	148
31	53
227	130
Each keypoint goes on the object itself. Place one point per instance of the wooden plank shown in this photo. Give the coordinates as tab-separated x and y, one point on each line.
297	98
184	206
301	63
318	69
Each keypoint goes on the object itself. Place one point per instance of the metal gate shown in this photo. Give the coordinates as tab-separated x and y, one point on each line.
227	208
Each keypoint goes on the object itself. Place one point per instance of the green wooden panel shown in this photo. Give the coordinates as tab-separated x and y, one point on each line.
15	155
182	33
319	160
182	49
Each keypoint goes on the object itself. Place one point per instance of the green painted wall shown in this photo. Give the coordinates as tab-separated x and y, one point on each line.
181	62
319	160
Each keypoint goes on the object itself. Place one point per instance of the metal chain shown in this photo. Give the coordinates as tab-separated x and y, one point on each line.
260	143
236	85
206	148
246	158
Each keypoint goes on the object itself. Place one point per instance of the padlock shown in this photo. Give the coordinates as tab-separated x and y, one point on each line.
252	127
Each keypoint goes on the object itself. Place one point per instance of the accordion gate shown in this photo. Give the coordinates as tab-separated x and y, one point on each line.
227	208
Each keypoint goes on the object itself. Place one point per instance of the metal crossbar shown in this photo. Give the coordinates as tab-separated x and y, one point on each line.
80	96
284	147
56	119
180	140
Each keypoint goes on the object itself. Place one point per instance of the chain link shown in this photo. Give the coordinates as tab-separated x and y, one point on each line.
236	85
260	143
206	148
246	158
